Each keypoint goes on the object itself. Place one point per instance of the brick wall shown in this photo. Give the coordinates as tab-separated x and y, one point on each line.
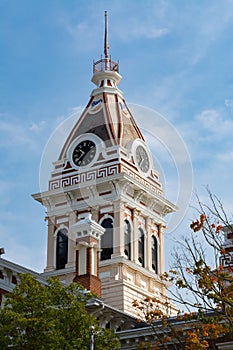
90	282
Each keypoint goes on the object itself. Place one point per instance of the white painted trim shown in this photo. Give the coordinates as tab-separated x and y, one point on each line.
135	145
145	250
158	253
106	209
61	227
62	220
131	239
106	216
100	148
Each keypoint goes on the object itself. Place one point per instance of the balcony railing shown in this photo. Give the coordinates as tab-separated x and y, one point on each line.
105	64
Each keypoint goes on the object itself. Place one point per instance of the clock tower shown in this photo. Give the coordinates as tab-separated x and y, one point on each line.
105	172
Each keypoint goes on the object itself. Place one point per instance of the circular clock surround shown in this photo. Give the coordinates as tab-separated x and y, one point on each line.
85	150
142	157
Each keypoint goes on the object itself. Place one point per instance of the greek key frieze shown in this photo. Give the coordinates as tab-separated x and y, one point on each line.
53	185
141	180
90	176
102	172
83	177
112	170
75	179
65	182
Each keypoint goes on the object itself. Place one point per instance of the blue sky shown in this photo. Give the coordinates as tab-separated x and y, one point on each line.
175	58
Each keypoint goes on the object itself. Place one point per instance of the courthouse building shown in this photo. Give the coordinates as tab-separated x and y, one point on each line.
105	209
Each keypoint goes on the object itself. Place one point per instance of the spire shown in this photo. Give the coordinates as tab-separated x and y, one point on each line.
105	64
106	46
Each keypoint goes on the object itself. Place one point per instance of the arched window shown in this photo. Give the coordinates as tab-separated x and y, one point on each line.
154	254
127	239
61	249
107	239
141	247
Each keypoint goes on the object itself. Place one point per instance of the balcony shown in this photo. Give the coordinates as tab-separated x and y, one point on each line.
105	64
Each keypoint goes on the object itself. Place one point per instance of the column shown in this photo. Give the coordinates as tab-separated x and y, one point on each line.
148	258
89	261
50	244
71	241
161	248
95	213
118	231
136	214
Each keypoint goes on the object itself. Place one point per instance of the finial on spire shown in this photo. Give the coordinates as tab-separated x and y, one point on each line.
105	64
106	47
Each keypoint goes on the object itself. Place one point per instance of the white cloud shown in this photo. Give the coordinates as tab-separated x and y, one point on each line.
76	29
208	136
37	127
85	34
229	103
144	24
225	157
145	30
214	122
14	132
210	24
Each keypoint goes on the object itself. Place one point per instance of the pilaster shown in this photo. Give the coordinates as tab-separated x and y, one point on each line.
136	214
148	262
95	213
50	244
161	252
71	241
118	235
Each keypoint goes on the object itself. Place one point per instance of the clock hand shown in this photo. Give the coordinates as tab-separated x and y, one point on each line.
140	158
82	153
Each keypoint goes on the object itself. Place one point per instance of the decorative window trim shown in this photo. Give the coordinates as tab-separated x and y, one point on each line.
129	255
156	270
143	262
106	217
60	228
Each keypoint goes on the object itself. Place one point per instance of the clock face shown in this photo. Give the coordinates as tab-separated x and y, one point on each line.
142	159
84	153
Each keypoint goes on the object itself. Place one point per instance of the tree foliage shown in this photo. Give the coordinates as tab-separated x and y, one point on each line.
50	317
202	278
